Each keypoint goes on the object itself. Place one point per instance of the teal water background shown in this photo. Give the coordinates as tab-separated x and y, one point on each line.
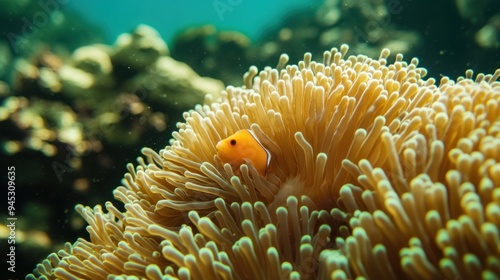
169	17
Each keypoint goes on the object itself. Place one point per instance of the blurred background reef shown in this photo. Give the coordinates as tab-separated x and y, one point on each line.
75	109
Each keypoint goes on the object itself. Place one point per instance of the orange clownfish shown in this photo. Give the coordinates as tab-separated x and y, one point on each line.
244	145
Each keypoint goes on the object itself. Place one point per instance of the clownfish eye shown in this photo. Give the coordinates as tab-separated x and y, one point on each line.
232	142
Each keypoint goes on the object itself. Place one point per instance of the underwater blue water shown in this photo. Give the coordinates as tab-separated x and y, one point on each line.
250	17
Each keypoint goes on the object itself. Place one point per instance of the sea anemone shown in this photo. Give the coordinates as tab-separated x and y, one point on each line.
375	172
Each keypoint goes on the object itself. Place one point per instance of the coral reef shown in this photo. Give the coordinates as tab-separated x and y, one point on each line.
73	110
489	35
30	24
139	49
100	102
220	54
471	10
70	119
375	172
448	42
